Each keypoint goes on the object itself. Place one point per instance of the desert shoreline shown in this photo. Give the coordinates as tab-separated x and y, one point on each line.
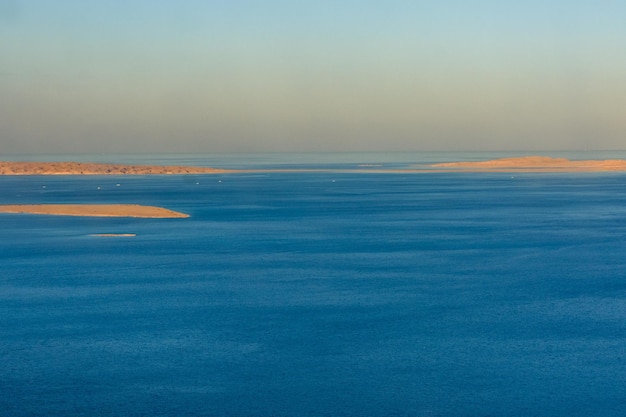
88	168
518	164
535	164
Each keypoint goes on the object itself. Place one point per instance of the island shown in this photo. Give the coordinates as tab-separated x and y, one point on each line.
536	164
94	210
83	168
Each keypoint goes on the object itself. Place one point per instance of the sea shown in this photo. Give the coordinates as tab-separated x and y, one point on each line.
317	293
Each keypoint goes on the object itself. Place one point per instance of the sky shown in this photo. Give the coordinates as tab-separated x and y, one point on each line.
81	76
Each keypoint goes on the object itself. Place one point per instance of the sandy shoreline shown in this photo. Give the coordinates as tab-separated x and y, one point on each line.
522	164
94	210
81	168
537	164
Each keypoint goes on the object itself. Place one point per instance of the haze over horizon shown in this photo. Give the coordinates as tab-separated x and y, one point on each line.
202	76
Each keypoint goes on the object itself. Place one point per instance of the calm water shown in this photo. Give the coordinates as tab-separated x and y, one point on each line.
317	294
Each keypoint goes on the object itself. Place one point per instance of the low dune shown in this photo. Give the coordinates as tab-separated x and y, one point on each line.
81	168
537	164
94	210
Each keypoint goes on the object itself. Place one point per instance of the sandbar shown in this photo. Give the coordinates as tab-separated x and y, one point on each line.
114	234
82	168
94	210
537	164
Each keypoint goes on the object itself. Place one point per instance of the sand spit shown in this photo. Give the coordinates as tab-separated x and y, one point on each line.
81	168
94	210
538	164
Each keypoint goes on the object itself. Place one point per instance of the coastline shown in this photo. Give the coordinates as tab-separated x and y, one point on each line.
535	164
87	168
515	164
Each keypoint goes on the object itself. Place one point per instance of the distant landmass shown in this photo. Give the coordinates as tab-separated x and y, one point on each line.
520	164
81	168
538	164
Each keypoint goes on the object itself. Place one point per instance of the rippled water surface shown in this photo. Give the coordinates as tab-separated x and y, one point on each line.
311	294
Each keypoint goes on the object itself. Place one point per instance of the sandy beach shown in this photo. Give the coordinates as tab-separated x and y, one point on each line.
81	168
537	164
94	210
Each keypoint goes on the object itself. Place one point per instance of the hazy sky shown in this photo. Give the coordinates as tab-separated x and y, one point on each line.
319	75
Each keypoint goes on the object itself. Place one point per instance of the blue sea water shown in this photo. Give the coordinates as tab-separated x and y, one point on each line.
317	294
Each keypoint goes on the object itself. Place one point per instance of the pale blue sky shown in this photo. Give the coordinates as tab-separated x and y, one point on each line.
202	76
